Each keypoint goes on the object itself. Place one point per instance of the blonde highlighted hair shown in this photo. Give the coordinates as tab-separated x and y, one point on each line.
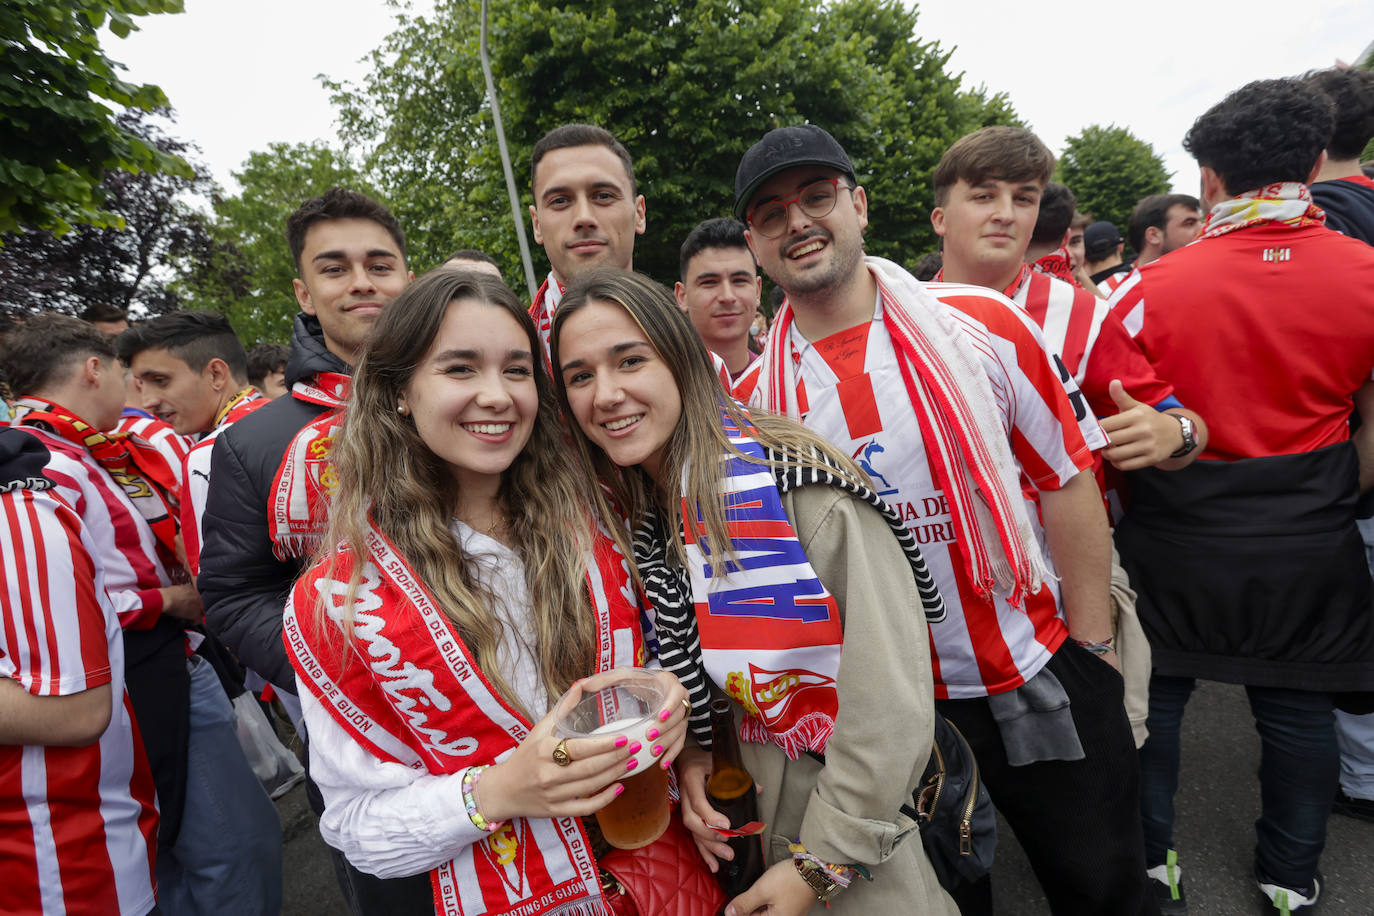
386	471
698	442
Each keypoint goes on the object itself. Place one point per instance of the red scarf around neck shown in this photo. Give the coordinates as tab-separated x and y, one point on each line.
135	465
405	687
298	506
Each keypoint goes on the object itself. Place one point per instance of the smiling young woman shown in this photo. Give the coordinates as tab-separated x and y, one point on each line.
777	574
464	586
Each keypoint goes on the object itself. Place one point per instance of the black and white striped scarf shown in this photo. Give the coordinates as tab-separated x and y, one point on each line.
666	583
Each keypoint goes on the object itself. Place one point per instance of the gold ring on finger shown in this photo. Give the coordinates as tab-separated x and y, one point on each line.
560	753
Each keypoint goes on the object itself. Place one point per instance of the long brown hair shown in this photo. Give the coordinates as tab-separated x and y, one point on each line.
386	470
698	441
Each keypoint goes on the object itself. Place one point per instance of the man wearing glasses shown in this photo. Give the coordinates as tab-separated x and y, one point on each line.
946	396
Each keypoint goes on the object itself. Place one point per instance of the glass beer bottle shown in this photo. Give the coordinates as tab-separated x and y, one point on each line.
731	792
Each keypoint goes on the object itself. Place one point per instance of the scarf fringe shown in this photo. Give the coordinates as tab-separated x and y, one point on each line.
812	732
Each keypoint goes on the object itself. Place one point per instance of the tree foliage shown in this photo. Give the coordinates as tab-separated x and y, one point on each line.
60	136
247	275
129	265
687	85
1109	169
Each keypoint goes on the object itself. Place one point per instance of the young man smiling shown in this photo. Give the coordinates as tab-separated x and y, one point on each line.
940	392
719	288
586	209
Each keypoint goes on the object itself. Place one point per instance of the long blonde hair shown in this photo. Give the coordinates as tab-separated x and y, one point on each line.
698	442
385	470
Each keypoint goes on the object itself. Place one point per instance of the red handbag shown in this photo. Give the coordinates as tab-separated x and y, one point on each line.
665	878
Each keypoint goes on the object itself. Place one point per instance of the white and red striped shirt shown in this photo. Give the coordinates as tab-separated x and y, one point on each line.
169	444
77	824
850	390
1110	284
1081	329
134	563
195	474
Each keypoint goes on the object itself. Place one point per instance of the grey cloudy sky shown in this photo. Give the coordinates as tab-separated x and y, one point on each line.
241	73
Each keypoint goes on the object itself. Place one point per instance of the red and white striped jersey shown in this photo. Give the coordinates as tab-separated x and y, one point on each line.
1082	330
850	390
134	564
195	478
1112	281
77	824
160	436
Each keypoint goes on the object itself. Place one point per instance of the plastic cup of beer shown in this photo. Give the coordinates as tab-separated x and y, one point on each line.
623	701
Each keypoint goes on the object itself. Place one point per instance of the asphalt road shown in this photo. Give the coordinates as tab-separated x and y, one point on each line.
1217	804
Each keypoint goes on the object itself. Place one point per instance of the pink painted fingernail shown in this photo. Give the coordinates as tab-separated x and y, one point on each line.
666	764
665	715
651	734
631	765
634	748
620	786
621	741
656	750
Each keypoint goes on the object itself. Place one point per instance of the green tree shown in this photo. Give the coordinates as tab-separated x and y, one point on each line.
687	85
247	275
60	136
1109	169
129	266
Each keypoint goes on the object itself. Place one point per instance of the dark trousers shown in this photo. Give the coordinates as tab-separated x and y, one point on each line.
1299	769
1078	821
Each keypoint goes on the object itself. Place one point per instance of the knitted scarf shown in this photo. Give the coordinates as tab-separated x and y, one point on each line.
669	589
1288	203
403	684
135	465
298	506
960	427
1056	264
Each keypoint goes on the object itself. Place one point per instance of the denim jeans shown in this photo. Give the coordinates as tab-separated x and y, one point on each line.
1299	763
228	854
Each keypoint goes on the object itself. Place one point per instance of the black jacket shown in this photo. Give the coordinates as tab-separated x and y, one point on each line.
1253	571
242	582
1349	207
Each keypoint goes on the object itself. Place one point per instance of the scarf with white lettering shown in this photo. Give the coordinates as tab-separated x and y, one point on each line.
668	585
1288	203
770	631
298	504
135	465
406	688
960	427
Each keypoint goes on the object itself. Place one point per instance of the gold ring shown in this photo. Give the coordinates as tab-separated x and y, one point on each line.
560	753
687	705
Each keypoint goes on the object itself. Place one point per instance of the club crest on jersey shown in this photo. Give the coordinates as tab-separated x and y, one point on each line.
1277	255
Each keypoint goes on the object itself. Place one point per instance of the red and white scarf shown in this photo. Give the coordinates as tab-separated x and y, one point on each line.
298	505
957	414
407	689
136	466
240	405
1285	202
1056	264
770	631
542	308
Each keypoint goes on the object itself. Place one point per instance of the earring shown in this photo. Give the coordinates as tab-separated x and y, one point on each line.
401	409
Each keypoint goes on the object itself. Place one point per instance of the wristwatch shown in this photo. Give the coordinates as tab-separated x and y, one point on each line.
1189	435
821	882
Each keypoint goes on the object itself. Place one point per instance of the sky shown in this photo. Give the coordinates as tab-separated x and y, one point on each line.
242	73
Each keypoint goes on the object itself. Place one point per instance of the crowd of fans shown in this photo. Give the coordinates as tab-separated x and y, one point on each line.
1038	485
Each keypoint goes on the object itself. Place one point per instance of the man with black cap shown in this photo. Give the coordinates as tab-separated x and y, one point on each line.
946	396
1102	246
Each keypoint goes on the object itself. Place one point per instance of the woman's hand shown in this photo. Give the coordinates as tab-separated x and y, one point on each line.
693	769
780	891
529	784
671	735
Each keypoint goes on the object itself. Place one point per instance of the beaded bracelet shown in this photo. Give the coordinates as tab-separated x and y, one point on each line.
1098	648
470	800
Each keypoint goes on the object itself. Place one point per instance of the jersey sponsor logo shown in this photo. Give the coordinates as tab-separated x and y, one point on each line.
863	456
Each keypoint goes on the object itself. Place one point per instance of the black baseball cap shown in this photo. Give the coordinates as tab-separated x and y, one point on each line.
1099	240
781	149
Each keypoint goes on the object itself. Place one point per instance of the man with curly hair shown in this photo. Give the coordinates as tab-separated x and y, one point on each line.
1249	563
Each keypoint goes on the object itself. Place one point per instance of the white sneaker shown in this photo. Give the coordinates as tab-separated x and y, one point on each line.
1285	899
